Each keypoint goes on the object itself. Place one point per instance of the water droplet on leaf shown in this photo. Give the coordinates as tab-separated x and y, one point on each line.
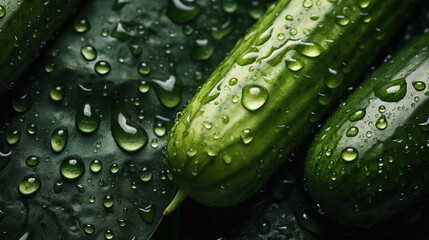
72	167
59	139
29	185
86	120
127	134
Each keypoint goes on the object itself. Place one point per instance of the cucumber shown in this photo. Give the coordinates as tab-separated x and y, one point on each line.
369	162
262	101
25	27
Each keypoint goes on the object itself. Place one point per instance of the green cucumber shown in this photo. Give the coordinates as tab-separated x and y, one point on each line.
25	27
369	162
262	101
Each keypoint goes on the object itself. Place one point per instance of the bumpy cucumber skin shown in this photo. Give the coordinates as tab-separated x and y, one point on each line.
205	153
390	172
25	28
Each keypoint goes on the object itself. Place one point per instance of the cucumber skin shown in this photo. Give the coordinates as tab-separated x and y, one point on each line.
282	123
28	24
390	173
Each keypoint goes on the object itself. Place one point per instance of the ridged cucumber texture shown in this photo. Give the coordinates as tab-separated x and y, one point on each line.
370	161
278	82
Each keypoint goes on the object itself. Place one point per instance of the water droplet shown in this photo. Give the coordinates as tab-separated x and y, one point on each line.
169	92
419	85
31	128
127	134
114	168
366	17
5	157
342	20
72	167
143	69
207	125
358	115
80	188
349	154
219	32
381	122
121	33
229	6
294	61
254	97
264	225
314	17
108	201
59	139
21	103
108	234
143	87
88	229
246	136
310	49
289	18
424	126
334	78
381	109
285	230
145	174
119	4
104	32
49	68
159	129
58	187
352	131
29	185
181	11
281	36
135	50
265	36
13	136
232	81
235	99
292	31
202	49
191	152
364	3
32	161
307	3
86	120
2	11
57	93
147	214
102	67
368	134
225	119
88	52
95	166
392	91
227	158
248	57
416	99
122	222
256	10
82	25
